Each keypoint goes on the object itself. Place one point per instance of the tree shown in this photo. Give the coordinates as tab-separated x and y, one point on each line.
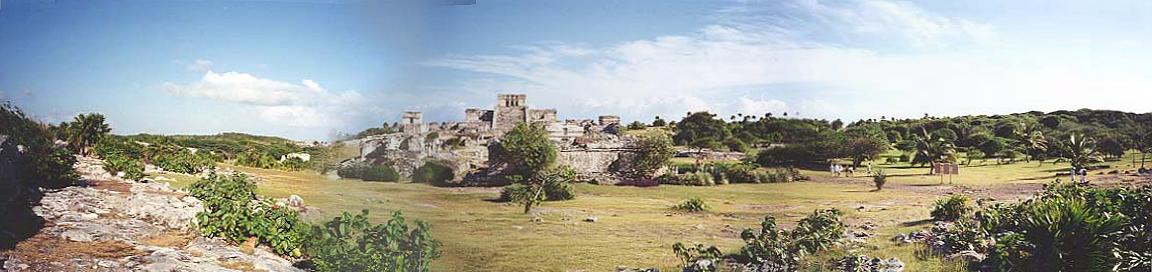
1112	146
653	152
993	147
837	124
864	148
637	125
1036	145
85	131
524	154
659	122
1079	150
735	145
930	148
700	125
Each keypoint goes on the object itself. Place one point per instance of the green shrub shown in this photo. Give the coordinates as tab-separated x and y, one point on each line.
952	208
742	173
234	212
818	232
352	243
694	204
132	168
735	145
47	165
879	179
1064	228
690	255
353	171
697	179
379	173
557	191
515	192
433	173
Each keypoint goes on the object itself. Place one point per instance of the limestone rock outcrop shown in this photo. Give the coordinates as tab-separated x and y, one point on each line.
123	212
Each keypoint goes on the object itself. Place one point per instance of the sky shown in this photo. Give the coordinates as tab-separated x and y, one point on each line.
308	69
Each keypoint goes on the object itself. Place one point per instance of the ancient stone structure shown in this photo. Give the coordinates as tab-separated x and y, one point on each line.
607	120
583	144
412	123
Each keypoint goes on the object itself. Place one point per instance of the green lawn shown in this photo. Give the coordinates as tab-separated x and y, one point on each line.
636	226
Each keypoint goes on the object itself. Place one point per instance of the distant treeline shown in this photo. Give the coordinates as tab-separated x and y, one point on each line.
1028	136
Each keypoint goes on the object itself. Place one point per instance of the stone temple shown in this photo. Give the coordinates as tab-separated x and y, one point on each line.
592	147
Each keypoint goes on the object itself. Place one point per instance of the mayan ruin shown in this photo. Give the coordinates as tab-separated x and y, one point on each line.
589	146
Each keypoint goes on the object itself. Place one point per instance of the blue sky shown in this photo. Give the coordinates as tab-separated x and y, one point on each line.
306	69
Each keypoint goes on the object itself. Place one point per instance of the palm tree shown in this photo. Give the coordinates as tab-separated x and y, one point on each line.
85	131
1035	144
1079	150
931	148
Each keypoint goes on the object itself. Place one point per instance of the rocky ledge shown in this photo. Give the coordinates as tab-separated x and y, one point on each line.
123	225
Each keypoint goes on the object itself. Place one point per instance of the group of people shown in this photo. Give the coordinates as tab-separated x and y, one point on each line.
845	170
1081	173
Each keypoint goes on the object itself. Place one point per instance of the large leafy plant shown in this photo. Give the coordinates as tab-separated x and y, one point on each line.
351	243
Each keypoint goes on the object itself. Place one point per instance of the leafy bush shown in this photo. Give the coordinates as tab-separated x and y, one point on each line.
515	192
353	171
952	208
380	173
234	212
879	179
653	152
1065	228
556	191
735	145
690	255
742	173
432	173
696	179
784	249
132	168
694	204
47	165
351	243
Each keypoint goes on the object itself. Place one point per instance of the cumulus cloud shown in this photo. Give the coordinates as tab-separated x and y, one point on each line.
306	104
838	59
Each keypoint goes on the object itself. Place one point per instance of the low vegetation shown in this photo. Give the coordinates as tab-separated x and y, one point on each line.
694	204
1068	227
952	208
233	210
771	248
879	179
433	173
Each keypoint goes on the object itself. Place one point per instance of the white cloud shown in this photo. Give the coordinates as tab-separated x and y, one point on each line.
306	104
758	106
852	59
200	66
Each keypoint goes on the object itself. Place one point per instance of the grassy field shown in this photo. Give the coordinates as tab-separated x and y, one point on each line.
636	226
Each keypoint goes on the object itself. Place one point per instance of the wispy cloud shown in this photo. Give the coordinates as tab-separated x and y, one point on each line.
306	104
843	58
200	66
746	46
